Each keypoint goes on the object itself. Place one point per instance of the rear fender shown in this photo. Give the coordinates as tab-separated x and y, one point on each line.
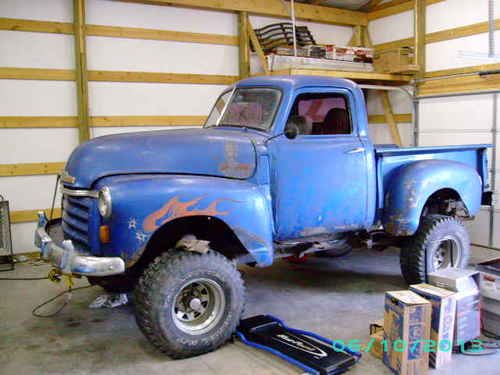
144	203
414	183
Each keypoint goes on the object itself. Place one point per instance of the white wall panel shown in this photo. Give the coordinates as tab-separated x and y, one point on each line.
98	132
37	145
322	33
387	29
449	54
38	50
479	227
29	192
22	237
37	98
444	139
380	134
456	113
114	13
46	10
455	13
151	99
160	56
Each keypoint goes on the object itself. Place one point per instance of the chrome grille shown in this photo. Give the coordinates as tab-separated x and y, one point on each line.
76	220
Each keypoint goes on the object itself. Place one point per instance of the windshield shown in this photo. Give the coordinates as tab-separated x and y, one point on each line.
245	107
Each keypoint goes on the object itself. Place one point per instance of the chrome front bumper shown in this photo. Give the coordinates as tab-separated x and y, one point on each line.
67	259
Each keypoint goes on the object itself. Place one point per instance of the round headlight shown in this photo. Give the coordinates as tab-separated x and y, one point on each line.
104	202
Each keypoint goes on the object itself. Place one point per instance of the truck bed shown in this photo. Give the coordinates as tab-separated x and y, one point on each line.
389	159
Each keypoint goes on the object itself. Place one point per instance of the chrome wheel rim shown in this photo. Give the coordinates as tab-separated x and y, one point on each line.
198	306
447	254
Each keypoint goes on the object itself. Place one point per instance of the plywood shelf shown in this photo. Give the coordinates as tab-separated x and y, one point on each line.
361	77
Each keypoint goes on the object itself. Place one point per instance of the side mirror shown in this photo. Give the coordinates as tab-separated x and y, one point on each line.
291	130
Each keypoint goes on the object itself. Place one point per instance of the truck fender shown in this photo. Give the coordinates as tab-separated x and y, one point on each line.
412	184
144	204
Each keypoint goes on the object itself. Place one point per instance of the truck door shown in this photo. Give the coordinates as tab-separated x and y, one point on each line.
319	179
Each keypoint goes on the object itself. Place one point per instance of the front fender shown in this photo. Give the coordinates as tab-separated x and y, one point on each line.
413	184
141	204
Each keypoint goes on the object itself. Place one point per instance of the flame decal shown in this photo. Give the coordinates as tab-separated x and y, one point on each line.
174	209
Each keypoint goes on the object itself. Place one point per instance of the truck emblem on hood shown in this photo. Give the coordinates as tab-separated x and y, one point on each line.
231	167
174	209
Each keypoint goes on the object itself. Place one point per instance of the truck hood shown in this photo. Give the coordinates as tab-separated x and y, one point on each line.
212	152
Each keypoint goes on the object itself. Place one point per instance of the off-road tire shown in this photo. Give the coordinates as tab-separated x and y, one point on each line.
115	283
155	295
417	252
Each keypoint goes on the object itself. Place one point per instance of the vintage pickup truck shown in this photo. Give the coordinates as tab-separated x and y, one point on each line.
283	167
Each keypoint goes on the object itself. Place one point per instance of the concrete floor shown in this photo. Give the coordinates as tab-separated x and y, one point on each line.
333	297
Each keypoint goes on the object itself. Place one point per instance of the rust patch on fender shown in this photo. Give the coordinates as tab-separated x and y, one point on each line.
231	167
174	209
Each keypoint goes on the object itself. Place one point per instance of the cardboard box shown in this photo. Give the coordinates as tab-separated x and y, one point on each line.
376	347
397	60
376	326
489	280
465	285
442	322
407	320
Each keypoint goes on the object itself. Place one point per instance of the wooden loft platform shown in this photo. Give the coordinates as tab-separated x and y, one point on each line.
360	77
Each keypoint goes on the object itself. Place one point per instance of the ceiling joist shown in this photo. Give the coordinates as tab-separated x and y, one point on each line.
272	8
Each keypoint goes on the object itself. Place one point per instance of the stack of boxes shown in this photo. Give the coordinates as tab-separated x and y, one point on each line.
423	325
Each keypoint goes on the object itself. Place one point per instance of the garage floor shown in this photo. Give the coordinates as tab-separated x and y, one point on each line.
333	297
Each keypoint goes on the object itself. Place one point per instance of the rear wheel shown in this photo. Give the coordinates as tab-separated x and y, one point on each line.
440	242
189	303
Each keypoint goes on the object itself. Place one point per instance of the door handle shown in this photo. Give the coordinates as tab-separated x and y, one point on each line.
355	150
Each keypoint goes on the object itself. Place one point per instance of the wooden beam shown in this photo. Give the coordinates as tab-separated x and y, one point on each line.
29	169
397	7
389	118
28	216
419	16
258	48
119	121
14	122
459	84
466	70
37	74
370	5
153	34
150	77
440	36
381	119
274	8
81	70
244	45
116	76
357	37
15	24
20	122
356	76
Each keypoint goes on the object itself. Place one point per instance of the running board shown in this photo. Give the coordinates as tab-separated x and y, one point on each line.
312	353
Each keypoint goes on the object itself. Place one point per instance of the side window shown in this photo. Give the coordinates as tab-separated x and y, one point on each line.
321	114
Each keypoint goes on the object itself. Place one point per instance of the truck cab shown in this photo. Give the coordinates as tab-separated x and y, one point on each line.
283	166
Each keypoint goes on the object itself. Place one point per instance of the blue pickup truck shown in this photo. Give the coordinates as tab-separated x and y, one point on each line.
283	167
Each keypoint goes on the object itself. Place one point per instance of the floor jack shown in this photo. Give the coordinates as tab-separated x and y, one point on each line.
309	351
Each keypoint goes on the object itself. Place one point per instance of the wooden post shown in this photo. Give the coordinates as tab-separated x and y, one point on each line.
357	37
258	48
81	70
419	21
389	118
244	45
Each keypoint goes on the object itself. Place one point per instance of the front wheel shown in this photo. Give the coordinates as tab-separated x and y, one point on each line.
440	242
189	303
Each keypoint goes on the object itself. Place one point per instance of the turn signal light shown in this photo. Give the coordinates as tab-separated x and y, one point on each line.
104	234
